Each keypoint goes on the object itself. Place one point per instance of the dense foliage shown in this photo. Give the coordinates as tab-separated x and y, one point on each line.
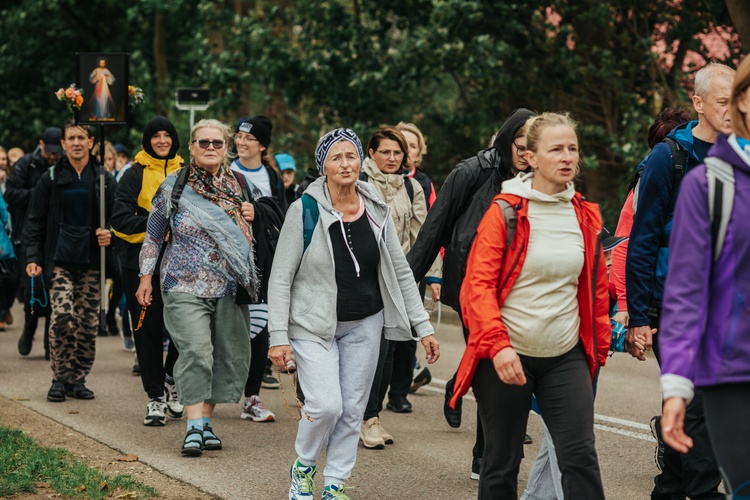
456	68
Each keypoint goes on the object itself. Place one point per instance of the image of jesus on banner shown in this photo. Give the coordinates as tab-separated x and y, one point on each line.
102	78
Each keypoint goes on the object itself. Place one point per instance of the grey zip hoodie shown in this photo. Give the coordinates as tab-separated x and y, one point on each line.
302	289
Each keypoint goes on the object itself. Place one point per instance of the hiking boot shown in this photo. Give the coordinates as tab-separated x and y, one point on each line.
26	340
422	376
476	465
655	425
254	409
78	391
56	393
399	405
371	435
334	492
155	413
303	481
269	381
175	409
453	417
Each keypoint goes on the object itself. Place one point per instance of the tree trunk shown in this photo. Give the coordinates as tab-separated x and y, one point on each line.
739	11
160	59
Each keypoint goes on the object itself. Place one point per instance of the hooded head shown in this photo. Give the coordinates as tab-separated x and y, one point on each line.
504	140
153	126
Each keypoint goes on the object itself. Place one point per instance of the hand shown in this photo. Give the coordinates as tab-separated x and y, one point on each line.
280	355
639	340
104	237
508	367
622	317
33	270
672	425
431	348
248	211
143	294
435	289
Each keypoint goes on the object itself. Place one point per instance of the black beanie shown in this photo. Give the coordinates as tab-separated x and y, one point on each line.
260	126
153	126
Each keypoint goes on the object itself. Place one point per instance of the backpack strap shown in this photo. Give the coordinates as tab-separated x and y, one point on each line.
243	186
409	189
179	185
511	220
720	175
679	163
310	215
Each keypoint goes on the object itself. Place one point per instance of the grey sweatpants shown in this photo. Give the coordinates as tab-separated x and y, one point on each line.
336	384
211	336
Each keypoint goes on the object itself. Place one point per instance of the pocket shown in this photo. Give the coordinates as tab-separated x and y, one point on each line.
73	245
739	312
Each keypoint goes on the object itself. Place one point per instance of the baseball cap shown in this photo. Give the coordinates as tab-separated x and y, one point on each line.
51	139
609	242
285	162
120	148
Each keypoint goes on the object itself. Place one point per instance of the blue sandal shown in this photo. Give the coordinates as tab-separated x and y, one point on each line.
192	446
210	441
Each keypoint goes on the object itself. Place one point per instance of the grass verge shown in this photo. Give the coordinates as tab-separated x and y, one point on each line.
26	467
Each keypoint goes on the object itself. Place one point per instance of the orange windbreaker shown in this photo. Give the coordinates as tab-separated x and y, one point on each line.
485	288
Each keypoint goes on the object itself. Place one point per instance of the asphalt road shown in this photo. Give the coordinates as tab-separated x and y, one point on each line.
428	460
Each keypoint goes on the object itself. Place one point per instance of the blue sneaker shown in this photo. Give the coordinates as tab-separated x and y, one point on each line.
335	492
303	483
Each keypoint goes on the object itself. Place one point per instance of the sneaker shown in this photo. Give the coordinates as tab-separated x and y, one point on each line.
476	465
56	393
24	343
422	376
303	481
655	425
387	438
269	381
128	344
136	368
370	434
399	405
155	413
174	407
254	409
334	492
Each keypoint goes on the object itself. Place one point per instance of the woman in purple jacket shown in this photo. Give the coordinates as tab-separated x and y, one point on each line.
705	327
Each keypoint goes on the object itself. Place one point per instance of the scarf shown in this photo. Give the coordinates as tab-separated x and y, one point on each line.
224	191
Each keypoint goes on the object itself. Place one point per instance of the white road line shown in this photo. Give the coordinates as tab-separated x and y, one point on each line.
601	427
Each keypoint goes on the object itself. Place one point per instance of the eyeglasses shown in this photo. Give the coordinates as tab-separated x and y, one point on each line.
205	143
520	149
245	138
388	153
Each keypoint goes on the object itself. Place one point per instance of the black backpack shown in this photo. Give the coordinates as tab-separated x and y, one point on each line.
679	163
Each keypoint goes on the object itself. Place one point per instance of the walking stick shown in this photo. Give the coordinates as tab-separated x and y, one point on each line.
102	250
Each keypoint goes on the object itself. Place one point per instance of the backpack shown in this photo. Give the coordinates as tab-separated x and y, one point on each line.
679	163
720	175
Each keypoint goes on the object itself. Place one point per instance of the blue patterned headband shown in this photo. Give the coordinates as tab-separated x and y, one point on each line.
327	141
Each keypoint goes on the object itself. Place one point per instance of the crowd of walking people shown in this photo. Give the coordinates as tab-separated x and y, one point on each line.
224	268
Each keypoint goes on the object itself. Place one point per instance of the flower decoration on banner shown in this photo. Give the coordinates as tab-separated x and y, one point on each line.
71	96
135	96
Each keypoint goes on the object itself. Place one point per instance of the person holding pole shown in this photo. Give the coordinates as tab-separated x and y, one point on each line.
62	240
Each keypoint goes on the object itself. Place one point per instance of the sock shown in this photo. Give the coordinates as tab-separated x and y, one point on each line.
206	421
194	438
195	422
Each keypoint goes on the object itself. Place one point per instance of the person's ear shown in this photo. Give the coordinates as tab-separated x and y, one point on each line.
698	104
531	158
370	152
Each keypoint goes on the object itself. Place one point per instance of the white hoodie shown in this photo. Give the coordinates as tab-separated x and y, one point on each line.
541	310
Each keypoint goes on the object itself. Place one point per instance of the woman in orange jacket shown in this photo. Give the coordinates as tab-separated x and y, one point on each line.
538	316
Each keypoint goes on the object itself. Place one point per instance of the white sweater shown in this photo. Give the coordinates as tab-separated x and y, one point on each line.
541	310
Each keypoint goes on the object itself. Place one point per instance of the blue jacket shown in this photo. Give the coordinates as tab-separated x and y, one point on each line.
6	247
646	265
705	328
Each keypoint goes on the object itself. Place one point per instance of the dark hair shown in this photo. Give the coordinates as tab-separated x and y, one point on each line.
72	124
394	134
667	120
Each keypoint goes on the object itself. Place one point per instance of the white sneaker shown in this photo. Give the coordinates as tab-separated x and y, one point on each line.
174	407
254	409
155	413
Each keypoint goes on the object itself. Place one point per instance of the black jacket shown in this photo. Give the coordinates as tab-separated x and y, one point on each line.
20	186
45	211
312	174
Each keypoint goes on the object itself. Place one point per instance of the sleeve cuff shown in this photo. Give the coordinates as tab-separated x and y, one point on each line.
424	329
277	338
676	386
430	280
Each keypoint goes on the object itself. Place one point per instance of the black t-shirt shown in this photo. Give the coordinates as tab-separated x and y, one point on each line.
700	148
358	296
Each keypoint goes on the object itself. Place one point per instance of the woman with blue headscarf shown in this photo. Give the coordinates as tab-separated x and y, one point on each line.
346	244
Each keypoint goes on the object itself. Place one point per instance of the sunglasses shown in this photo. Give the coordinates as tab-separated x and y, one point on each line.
205	143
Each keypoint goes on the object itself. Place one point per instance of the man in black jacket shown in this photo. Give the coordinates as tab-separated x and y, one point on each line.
63	240
452	222
23	179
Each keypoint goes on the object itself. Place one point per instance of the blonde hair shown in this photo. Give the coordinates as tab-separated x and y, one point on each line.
14	154
410	127
226	133
536	124
739	87
108	148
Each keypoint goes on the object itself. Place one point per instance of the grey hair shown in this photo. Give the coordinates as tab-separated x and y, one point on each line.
704	76
226	132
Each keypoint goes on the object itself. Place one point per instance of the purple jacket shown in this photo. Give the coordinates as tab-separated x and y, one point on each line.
704	334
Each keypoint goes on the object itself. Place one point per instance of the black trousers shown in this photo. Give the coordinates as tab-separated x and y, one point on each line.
565	394
727	409
382	378
258	359
149	338
402	374
696	473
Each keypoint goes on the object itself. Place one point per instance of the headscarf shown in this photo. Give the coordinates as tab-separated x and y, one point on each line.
504	140
153	126
327	141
